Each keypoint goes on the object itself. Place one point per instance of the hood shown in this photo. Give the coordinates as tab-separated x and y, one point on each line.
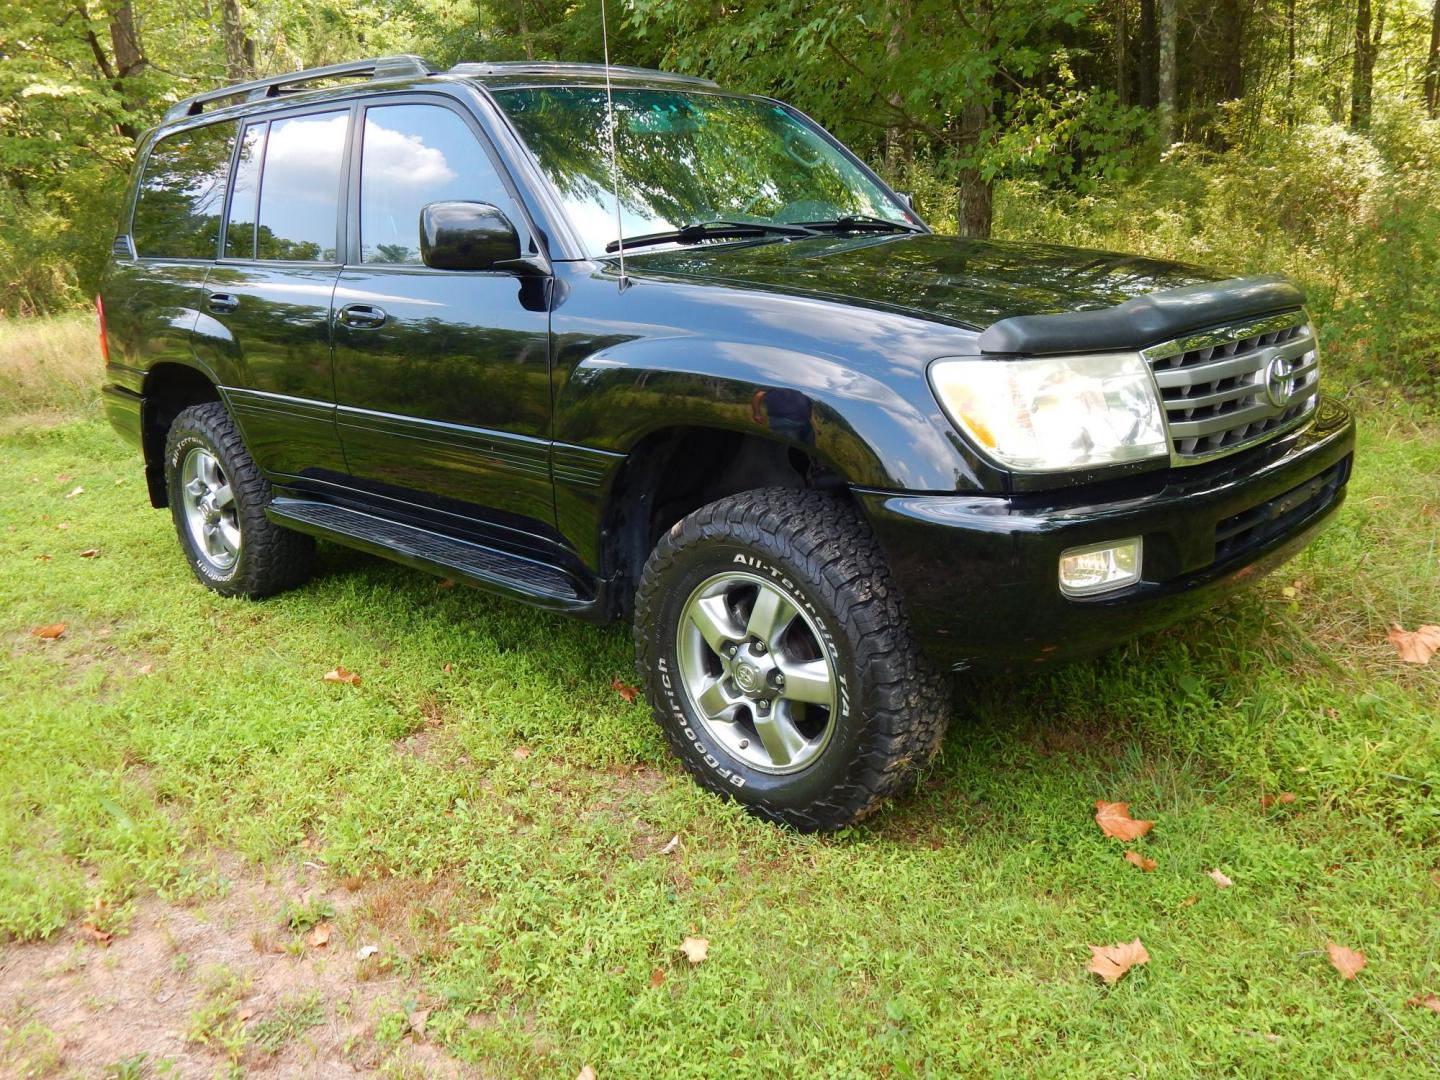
965	282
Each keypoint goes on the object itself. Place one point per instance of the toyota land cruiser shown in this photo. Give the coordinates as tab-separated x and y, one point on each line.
719	379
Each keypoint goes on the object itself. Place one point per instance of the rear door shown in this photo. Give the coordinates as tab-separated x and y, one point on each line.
267	302
442	377
152	292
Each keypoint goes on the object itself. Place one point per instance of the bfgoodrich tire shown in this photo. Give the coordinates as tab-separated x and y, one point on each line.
218	498
779	662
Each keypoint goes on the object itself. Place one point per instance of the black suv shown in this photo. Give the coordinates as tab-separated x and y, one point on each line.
725	381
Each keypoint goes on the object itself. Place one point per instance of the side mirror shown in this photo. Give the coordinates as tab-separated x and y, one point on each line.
908	198
466	236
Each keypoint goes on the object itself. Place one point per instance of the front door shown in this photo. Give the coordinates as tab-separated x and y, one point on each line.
441	377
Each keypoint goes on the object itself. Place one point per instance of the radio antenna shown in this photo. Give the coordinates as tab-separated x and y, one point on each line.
614	162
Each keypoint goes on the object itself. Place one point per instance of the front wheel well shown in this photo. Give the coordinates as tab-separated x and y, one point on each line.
168	391
674	472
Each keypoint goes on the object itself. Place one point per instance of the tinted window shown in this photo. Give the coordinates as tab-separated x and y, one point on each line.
177	215
413	155
245	194
300	188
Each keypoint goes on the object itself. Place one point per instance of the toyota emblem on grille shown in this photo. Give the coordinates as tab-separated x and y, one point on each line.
1279	381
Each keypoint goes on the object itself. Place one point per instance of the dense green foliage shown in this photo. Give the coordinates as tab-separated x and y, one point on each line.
1299	134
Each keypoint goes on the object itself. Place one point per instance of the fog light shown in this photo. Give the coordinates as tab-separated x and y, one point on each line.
1090	570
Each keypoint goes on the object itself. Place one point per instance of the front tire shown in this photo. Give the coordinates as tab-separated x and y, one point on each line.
218	498
779	662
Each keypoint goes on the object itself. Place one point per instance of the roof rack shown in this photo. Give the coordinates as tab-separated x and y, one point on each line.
380	67
550	68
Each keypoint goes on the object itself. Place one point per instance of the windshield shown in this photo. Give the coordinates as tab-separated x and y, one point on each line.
686	158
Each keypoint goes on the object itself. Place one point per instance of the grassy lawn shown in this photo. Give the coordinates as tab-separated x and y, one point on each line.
491	814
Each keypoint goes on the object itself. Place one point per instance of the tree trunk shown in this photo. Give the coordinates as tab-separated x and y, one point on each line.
1149	49
899	139
1166	66
524	29
1232	50
1122	51
129	60
239	49
1290	53
1432	67
975	209
1362	77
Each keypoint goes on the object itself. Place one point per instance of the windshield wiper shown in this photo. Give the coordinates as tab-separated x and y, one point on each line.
860	223
710	230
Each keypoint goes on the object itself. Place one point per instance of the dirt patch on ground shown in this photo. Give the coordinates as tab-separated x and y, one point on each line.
280	977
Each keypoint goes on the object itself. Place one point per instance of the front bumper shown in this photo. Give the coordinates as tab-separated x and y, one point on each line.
979	574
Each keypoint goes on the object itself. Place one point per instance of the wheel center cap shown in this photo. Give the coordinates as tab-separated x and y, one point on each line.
748	677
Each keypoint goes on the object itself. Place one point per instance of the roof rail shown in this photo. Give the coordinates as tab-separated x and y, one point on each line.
556	67
380	67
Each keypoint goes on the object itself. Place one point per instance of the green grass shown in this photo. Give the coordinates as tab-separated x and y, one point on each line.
945	937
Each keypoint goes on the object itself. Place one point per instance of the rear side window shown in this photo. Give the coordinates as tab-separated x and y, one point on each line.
300	188
413	155
182	194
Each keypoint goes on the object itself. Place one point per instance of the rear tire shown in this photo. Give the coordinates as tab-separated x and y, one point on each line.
779	662
218	497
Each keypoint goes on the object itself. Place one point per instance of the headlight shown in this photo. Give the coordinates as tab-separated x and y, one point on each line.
1062	412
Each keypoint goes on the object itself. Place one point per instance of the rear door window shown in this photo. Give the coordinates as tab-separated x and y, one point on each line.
182	194
299	209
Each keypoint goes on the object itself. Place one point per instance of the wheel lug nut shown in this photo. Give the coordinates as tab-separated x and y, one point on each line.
744	744
758	648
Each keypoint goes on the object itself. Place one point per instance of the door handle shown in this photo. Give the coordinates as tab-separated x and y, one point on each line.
362	316
222	303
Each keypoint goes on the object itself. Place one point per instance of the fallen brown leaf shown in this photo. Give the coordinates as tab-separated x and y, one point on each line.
341	675
520	753
671	845
63	525
1284	798
319	937
1110	962
42	558
89	553
1134	858
417	1020
1221	881
1416	646
49	633
587	1073
629	693
446	583
1346	961
448	668
63	478
245	1014
145	669
1190	901
657	978
696	949
1429	1001
77	490
95	934
1114	820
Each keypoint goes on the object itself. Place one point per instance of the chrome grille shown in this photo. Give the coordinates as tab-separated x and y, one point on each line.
1233	387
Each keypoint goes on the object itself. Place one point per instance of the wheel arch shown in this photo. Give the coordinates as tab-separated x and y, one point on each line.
169	388
673	471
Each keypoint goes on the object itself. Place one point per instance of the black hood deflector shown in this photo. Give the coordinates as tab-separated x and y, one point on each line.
1144	320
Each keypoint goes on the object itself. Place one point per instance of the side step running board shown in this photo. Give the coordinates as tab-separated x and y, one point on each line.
538	582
